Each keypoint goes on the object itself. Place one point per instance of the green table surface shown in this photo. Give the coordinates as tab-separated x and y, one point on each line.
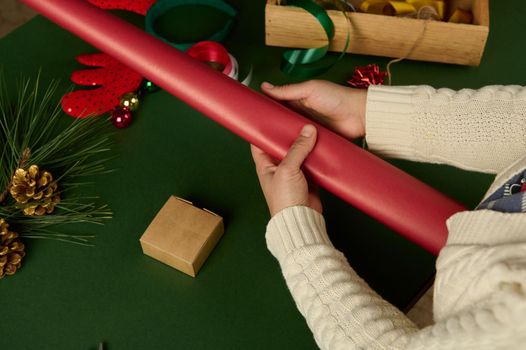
70	297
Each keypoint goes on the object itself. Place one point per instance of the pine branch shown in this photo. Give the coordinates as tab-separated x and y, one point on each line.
24	158
34	130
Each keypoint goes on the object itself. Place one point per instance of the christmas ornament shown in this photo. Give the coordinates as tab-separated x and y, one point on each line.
121	117
148	86
112	79
365	76
11	250
130	101
34	190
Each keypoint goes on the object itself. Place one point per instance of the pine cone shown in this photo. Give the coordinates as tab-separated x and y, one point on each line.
35	191
11	250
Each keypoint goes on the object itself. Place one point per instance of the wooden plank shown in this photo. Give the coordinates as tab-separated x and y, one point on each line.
382	35
481	12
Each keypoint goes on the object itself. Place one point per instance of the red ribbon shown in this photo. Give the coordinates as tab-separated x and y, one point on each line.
365	76
211	52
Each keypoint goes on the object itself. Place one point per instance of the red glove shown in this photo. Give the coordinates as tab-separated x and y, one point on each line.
137	6
112	78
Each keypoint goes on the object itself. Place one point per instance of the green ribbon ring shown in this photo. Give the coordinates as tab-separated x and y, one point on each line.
162	6
307	63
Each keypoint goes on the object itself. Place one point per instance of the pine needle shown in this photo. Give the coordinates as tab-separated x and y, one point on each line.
71	149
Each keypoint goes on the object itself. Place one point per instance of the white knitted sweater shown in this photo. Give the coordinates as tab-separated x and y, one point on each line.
480	287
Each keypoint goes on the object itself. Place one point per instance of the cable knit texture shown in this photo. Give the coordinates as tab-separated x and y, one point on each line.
340	308
424	124
480	287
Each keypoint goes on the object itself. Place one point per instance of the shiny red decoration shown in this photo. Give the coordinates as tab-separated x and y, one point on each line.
365	76
121	117
112	79
137	6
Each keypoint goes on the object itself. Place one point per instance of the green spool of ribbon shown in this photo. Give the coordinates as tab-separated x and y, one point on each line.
162	6
307	63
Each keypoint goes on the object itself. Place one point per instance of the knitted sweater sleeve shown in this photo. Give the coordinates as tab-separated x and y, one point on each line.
340	308
481	130
480	298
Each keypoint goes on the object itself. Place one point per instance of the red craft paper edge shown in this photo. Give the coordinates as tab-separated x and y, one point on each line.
408	206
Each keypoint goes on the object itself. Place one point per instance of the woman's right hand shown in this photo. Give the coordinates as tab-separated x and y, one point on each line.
339	108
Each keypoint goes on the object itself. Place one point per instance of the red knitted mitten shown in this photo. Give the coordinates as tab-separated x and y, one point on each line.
112	79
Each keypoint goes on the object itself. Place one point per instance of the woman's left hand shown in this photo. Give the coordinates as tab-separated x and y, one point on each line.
283	183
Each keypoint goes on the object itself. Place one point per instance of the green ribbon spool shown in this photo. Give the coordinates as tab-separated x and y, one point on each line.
306	63
162	6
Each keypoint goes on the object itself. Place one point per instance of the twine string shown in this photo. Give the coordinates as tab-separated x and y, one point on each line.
419	15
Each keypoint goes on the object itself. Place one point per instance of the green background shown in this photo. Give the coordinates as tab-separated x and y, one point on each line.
70	297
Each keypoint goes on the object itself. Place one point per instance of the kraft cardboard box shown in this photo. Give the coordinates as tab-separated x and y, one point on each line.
182	236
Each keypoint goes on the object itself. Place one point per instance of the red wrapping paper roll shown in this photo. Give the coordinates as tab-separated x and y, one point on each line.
391	196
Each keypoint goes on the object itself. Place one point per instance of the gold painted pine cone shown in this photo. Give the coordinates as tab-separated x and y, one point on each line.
11	250
35	191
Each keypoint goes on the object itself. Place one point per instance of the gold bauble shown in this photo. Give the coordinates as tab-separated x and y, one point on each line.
130	101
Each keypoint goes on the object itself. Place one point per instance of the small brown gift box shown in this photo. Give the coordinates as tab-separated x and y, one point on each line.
182	235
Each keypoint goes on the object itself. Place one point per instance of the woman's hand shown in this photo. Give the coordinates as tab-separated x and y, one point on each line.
284	184
340	108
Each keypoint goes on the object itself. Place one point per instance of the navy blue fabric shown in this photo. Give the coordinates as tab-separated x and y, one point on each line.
508	198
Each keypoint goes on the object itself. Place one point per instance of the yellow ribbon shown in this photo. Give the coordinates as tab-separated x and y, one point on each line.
461	16
417	8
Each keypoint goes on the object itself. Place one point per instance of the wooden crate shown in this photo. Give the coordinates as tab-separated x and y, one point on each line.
380	35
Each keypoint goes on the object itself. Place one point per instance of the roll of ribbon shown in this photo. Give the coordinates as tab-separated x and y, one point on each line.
403	8
162	6
216	56
311	62
461	16
234	73
213	54
406	205
422	9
